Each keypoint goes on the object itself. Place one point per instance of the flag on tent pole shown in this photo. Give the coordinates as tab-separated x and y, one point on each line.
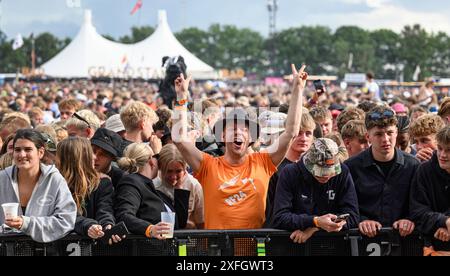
18	42
137	6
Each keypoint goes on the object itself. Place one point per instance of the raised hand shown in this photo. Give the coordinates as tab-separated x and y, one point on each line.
182	87
300	77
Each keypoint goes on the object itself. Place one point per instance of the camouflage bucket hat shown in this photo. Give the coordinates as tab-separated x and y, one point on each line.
322	159
50	143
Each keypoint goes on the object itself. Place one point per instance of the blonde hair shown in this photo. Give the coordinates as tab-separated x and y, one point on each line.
321	114
134	113
136	156
426	125
89	116
70	104
6	160
75	163
169	153
307	122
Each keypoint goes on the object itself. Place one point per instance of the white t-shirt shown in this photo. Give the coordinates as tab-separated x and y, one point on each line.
196	202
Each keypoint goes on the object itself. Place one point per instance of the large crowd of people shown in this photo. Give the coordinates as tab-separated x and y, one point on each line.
82	156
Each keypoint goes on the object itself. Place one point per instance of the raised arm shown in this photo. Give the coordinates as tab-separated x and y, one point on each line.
278	150
191	154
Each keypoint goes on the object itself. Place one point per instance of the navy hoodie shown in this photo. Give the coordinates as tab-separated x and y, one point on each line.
300	197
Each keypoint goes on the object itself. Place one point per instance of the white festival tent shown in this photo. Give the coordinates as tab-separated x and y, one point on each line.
91	55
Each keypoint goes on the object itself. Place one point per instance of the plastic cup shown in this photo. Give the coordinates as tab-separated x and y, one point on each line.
169	218
10	210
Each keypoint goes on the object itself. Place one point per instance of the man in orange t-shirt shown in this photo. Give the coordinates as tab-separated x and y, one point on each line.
235	185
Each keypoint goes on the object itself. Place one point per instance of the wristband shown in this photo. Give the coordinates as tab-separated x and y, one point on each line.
316	222
148	232
183	102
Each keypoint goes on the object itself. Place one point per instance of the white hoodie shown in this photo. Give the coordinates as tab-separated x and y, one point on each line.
51	211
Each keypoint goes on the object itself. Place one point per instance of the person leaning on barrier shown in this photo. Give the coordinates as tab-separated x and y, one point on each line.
312	192
235	185
138	203
92	193
430	192
382	176
48	211
173	175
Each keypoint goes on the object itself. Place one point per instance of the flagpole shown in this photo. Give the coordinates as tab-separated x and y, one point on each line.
33	55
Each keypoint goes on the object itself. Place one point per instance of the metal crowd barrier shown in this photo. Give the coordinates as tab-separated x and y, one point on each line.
265	242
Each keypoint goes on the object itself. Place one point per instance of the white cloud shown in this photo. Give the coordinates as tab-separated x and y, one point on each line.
385	14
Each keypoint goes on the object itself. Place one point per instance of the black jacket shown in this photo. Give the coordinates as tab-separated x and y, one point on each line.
272	191
98	208
139	204
300	197
116	174
383	198
430	197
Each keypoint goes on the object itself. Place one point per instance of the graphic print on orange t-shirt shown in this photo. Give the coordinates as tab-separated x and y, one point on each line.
235	196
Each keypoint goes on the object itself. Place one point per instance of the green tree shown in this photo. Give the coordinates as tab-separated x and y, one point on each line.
440	58
47	46
352	41
233	48
387	46
308	45
137	34
109	37
417	49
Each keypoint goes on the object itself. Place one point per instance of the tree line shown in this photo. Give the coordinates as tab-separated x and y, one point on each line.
349	49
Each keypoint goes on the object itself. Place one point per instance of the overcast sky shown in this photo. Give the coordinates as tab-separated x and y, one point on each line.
63	17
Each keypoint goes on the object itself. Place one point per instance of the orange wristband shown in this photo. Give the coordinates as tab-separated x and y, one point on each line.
148	232
316	222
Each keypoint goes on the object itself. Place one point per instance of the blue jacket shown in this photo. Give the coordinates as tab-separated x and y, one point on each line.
383	198
300	197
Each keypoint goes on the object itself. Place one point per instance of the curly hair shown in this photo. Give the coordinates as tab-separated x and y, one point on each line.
136	112
444	109
384	121
426	125
351	113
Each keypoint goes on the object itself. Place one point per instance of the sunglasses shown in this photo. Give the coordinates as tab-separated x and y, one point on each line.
377	116
81	119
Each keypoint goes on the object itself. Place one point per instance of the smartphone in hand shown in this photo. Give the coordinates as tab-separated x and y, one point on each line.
320	87
341	218
119	229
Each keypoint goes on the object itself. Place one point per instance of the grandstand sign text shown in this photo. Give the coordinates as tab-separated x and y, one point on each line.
126	73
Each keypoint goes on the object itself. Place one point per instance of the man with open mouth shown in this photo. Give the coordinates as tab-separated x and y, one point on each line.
235	185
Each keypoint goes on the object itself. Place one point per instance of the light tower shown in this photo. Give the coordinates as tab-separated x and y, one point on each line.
272	7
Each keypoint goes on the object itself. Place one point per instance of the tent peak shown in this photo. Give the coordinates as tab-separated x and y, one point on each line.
162	17
88	17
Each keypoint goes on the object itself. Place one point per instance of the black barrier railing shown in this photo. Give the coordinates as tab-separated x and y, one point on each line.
263	242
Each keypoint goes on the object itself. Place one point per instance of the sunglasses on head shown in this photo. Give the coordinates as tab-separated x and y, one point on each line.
377	116
81	119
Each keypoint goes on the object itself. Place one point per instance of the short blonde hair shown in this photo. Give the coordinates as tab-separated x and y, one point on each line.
135	157
426	125
321	114
134	113
351	113
307	122
89	116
